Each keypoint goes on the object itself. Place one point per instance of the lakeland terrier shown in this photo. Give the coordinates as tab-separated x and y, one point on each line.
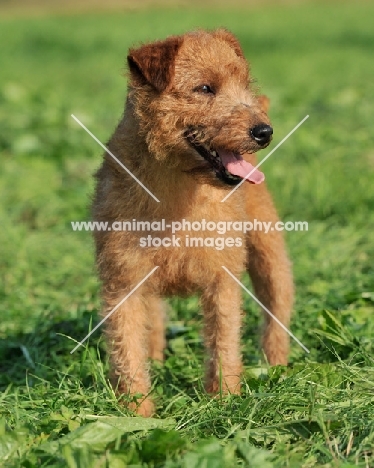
191	125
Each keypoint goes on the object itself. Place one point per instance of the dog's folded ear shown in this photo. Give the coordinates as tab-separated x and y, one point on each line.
229	37
264	103
154	63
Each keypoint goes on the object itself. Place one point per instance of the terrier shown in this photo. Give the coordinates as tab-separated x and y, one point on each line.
191	125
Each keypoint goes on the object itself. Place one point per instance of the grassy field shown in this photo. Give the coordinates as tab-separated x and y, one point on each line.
57	409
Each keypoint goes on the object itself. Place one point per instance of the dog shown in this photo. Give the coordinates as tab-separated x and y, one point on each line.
191	125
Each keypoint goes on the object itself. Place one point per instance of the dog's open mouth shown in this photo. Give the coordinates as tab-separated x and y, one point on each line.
230	167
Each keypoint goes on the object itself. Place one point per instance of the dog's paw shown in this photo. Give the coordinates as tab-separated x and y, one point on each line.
227	385
144	408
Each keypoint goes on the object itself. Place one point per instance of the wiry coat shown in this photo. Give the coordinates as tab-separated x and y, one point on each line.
164	102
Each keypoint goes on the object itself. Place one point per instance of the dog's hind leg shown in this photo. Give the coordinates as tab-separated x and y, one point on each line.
157	316
270	271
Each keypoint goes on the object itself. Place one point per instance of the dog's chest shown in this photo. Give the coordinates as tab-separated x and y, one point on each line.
198	259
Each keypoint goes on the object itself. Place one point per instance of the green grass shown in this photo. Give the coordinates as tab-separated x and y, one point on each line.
57	409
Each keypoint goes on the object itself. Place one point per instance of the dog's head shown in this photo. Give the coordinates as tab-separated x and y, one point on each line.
196	105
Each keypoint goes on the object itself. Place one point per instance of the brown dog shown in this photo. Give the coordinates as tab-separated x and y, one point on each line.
189	132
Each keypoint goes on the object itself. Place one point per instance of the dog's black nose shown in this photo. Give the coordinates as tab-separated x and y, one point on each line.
262	134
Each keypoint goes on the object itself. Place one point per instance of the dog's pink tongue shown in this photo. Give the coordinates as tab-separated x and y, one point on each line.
236	165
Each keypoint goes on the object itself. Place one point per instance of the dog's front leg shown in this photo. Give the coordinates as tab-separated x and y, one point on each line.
128	336
221	303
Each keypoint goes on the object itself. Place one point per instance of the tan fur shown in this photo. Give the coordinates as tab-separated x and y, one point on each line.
164	100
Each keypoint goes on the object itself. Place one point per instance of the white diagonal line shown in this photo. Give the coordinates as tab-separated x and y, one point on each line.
267	310
114	157
115	308
265	158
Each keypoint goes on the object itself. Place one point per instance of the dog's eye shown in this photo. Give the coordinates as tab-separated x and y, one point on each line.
205	89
